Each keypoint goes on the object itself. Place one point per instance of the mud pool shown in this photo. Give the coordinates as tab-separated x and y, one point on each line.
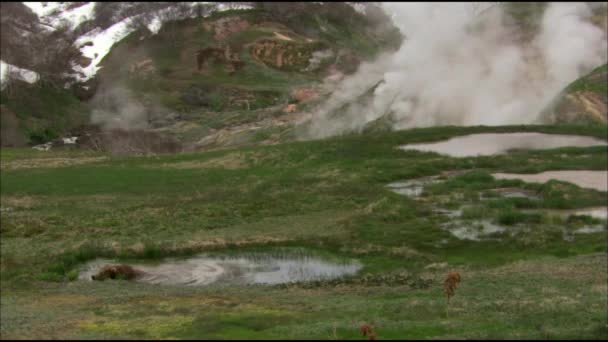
597	180
242	269
496	143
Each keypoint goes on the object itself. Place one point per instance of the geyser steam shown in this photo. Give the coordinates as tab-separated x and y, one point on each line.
459	67
116	108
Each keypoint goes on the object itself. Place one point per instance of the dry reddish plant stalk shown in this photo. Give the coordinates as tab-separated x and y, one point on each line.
366	330
450	284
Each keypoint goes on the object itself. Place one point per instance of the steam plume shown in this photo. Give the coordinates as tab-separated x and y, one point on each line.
116	108
459	67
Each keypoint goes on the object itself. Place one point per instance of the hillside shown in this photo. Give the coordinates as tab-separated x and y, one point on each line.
584	100
253	64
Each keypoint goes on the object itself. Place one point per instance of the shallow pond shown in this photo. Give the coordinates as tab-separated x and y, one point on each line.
597	180
496	143
240	269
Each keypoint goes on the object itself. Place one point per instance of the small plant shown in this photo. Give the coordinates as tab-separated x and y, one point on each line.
72	275
367	330
449	285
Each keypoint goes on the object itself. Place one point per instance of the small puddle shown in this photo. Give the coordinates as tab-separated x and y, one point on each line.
515	193
475	230
595	212
597	180
449	213
590	230
487	144
243	269
412	187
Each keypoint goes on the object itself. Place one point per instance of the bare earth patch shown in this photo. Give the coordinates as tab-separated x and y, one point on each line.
230	161
48	162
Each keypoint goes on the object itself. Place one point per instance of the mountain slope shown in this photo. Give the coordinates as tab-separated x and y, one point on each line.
155	67
584	100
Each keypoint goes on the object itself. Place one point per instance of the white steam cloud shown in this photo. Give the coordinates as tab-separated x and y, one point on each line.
456	67
117	108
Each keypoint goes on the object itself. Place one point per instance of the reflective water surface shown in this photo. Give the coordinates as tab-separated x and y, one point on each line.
241	269
496	143
597	180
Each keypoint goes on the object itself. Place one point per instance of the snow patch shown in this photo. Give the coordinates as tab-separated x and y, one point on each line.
56	14
103	40
70	141
43	9
9	71
155	25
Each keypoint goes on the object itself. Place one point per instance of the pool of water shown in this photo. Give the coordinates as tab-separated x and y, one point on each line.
595	212
412	187
590	230
497	143
240	269
474	231
597	180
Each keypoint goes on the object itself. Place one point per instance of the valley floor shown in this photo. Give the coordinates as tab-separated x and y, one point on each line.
537	279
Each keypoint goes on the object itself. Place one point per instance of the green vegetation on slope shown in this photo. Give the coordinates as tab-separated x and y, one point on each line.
595	81
44	111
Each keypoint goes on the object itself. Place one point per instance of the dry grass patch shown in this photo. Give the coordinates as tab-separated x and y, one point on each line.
48	162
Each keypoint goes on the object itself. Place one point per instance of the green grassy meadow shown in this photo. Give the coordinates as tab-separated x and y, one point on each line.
64	207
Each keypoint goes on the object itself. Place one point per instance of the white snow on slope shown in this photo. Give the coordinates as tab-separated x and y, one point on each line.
56	14
44	8
103	40
9	71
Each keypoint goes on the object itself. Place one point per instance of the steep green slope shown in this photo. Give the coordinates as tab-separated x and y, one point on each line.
36	113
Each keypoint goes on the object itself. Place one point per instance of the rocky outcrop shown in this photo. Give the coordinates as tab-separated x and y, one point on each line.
224	27
283	54
585	100
219	55
142	68
579	106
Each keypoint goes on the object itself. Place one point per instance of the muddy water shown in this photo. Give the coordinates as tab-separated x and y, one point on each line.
413	187
590	230
597	180
234	270
474	231
595	212
496	143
